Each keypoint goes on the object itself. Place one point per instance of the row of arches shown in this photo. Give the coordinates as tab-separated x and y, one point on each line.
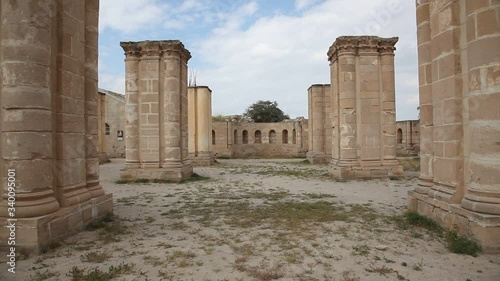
258	137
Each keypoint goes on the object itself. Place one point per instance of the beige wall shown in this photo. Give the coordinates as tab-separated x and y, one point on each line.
49	119
408	135
114	116
271	144
459	58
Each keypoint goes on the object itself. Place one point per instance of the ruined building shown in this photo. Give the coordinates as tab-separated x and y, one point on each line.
459	76
49	122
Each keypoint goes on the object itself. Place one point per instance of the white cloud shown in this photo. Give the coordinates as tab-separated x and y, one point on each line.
279	57
114	83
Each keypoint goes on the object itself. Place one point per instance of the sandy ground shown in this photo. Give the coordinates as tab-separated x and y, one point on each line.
256	220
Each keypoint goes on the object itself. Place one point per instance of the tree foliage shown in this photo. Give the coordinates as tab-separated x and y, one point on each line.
265	112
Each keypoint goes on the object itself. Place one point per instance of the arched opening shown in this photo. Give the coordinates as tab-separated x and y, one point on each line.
284	136
400	136
294	136
244	137
107	129
272	136
258	137
235	137
213	137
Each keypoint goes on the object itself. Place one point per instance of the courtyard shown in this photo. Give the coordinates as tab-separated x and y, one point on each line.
268	219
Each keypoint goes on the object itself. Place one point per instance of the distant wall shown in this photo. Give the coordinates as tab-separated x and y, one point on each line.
233	139
114	121
408	135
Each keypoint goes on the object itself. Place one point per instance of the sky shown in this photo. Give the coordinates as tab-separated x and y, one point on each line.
247	51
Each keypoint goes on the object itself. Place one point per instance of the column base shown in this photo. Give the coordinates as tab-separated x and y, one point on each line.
103	158
317	158
175	173
483	227
364	171
36	234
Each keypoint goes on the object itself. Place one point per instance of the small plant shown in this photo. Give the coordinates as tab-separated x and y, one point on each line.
362	250
78	274
141	180
95	257
418	266
43	275
122	181
195	177
150	219
460	244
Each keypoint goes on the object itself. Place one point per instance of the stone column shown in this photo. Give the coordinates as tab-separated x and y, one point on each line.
132	54
160	108
425	90
364	123
26	107
316	97
481	112
49	120
91	96
200	125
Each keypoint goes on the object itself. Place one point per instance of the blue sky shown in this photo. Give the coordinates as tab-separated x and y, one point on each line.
259	50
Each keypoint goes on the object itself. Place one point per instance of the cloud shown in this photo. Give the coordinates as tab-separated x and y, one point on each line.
114	83
279	56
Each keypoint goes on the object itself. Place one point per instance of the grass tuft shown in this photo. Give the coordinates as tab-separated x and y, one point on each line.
460	244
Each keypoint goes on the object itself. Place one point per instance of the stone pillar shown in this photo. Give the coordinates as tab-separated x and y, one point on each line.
319	100
49	120
364	125
482	108
200	125
460	97
156	110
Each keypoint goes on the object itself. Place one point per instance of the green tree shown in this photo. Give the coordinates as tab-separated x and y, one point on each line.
265	112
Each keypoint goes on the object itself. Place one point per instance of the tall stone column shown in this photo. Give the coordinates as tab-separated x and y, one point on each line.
26	108
49	120
364	125
161	110
481	112
425	90
132	54
200	125
316	97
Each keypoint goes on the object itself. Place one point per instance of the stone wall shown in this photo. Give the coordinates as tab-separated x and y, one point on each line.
363	107
156	110
49	119
320	124
459	62
233	139
113	130
407	135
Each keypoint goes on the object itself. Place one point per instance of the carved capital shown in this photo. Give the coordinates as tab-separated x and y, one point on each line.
155	48
361	44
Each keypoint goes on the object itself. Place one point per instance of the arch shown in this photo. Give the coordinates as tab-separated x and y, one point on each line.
107	129
244	137
213	137
284	136
258	137
272	136
294	136
400	136
235	137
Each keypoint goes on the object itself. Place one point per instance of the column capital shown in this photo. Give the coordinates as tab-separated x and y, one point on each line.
155	48
364	44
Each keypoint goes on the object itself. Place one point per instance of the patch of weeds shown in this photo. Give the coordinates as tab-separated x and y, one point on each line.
388	260
294	258
111	232
265	272
348	275
383	270
140	180
78	274
165	245
195	177
150	219
43	275
245	249
101	223
182	259
319	195
362	250
162	181
460	244
153	260
122	181
418	266
414	219
95	257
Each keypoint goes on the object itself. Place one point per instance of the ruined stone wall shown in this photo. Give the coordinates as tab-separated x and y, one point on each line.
49	119
156	130
276	139
114	119
407	135
363	107
320	124
459	61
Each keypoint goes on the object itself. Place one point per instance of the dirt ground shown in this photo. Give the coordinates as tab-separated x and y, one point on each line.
256	220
